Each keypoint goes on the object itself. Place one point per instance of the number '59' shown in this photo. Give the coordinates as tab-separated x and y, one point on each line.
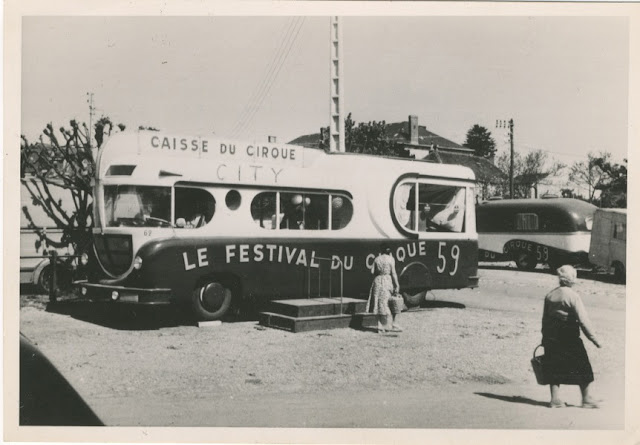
442	260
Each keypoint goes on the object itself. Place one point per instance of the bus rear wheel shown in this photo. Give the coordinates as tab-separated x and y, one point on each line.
211	301
524	261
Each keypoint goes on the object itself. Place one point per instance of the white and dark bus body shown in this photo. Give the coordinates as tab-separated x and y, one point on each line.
552	231
215	223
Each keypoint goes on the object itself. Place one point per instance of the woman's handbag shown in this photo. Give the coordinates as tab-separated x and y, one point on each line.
396	304
536	364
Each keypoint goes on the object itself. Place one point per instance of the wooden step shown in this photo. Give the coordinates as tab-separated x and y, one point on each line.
316	307
314	323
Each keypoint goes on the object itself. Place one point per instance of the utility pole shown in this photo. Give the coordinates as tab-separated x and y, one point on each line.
509	125
336	127
91	111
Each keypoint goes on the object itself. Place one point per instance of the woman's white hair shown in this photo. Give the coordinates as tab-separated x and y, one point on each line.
567	275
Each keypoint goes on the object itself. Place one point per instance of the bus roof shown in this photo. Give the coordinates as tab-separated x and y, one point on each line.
185	154
521	205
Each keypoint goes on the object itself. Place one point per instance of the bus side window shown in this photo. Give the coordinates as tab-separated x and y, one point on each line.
301	211
263	210
194	207
404	205
341	212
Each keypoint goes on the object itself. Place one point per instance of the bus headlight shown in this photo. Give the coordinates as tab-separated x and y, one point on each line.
84	259
115	295
137	263
84	291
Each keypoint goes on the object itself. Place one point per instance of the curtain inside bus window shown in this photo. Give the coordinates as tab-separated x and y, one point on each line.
137	206
263	210
194	207
441	207
404	205
341	211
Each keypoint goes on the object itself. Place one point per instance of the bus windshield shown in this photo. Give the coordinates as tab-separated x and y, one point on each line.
137	206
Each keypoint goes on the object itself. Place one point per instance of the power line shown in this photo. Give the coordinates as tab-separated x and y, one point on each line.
274	76
269	80
268	68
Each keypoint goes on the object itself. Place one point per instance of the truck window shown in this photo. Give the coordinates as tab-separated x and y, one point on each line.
620	231
526	222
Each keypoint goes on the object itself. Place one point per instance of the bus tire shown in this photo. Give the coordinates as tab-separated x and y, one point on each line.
619	272
524	261
211	301
63	278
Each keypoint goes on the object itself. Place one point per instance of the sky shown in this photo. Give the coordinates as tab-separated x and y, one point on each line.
563	80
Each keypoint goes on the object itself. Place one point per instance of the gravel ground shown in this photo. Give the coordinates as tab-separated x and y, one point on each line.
474	336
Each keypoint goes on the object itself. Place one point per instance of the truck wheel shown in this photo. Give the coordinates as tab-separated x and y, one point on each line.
63	278
619	272
211	301
44	280
524	261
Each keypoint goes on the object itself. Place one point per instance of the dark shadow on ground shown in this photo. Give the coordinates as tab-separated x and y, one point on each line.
583	272
513	399
121	316
435	304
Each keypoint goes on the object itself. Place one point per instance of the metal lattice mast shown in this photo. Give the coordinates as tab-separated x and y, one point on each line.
336	128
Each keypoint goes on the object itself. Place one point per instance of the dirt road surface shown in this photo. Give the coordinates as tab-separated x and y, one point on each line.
461	363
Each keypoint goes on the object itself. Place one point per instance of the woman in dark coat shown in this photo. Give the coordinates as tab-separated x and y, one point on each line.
565	359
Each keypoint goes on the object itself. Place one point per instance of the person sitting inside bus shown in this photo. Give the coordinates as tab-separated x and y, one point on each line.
202	215
294	216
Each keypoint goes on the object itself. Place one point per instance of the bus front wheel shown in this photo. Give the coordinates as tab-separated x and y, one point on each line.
524	261
211	301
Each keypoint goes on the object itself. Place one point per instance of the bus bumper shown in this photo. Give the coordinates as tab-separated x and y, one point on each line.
122	294
473	281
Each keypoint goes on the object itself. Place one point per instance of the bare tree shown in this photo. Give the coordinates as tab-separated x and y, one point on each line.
588	174
529	172
63	159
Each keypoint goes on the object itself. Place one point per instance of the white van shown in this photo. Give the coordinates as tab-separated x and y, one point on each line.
609	241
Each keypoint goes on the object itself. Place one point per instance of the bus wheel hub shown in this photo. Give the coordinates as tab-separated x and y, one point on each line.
212	296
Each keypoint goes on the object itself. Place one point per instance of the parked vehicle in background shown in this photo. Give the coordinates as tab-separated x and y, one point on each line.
35	267
552	231
608	247
215	223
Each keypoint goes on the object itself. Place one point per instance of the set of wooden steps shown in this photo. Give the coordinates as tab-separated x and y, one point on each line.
313	314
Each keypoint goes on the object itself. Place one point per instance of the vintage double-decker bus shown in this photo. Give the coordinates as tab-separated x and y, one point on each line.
552	231
215	223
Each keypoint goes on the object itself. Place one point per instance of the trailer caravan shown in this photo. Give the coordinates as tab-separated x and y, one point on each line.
608	247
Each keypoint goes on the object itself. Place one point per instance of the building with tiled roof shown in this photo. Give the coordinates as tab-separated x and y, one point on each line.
416	142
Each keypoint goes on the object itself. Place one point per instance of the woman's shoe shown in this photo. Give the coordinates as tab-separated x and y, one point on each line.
396	329
557	404
590	405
